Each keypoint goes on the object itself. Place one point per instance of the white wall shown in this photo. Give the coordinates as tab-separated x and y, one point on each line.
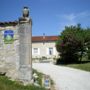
44	49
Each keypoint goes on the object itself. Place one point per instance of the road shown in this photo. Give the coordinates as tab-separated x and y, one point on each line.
65	78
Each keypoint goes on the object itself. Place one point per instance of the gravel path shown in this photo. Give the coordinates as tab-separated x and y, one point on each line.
65	78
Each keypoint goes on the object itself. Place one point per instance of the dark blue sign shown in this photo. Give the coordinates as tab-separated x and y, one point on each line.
8	36
8	32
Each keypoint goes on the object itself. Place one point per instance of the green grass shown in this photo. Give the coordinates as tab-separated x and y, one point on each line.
82	66
40	76
6	84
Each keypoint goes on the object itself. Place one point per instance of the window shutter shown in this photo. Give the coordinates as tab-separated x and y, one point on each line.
32	52
38	51
47	51
54	51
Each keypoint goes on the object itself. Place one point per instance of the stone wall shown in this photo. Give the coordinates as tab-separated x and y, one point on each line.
9	58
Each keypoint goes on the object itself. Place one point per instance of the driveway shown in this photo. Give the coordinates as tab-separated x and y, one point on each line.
65	78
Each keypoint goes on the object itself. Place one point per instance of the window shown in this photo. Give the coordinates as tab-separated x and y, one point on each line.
50	51
35	50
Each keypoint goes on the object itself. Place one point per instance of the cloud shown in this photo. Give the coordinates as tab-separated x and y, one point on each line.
73	16
69	17
73	19
83	14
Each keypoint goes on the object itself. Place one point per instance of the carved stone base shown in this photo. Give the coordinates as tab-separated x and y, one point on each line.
25	74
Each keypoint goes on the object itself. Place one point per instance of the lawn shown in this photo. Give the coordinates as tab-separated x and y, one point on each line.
82	66
6	84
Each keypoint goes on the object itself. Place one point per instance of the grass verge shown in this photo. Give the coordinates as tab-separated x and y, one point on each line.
82	66
40	77
6	84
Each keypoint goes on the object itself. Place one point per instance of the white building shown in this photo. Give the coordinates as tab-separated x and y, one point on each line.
44	46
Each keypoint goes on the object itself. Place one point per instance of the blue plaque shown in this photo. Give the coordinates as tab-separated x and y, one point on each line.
8	36
47	83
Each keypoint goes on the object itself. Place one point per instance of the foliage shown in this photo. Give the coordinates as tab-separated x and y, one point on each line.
6	84
73	43
88	49
40	76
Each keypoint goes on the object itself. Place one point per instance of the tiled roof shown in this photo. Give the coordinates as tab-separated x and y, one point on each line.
14	23
44	38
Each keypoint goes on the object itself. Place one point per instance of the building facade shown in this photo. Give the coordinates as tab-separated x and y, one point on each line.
44	47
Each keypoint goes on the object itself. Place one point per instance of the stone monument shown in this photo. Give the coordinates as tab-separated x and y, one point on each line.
25	47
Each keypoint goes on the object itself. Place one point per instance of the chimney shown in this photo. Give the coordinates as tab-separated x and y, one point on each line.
43	35
43	38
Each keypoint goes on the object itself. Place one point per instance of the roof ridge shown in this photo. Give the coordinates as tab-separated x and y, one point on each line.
46	38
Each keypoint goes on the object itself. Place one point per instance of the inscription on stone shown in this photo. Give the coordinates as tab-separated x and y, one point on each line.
25	73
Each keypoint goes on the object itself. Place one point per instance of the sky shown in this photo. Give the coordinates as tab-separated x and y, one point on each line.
48	16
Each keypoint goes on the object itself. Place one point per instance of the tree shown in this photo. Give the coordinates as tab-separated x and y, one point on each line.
72	43
87	40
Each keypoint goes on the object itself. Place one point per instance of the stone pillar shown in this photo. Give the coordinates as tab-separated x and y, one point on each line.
25	47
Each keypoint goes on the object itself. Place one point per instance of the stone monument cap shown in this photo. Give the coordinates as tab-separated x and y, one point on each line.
25	12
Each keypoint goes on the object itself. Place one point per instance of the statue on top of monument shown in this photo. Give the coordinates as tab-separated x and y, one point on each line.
25	12
25	15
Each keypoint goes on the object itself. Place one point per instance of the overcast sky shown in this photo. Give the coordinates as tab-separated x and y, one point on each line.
49	16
